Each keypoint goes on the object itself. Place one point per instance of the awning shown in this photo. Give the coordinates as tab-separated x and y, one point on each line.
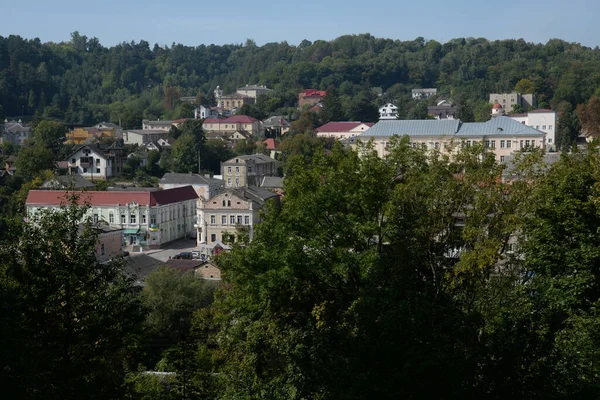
131	231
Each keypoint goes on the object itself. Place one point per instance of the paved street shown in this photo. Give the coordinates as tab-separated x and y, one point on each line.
171	250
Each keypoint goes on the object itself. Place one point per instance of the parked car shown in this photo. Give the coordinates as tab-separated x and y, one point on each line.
185	255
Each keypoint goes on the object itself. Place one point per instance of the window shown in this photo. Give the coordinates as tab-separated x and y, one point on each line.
97	170
493	144
223	219
213	237
544	127
228	181
508	144
85	170
73	161
550	127
468	143
549	140
237	169
232	219
521	143
95	218
437	145
223	203
132	219
239	219
537	127
111	218
502	144
153	219
501	158
487	144
213	219
237	181
143	218
102	250
228	203
97	161
123	219
247	220
228	169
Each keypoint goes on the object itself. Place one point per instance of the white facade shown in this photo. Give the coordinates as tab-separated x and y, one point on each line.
352	130
542	120
388	111
143	137
90	164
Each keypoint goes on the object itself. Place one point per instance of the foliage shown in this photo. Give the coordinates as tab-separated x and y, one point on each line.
34	158
332	107
184	155
589	116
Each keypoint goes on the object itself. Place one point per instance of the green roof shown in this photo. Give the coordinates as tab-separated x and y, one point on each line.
131	231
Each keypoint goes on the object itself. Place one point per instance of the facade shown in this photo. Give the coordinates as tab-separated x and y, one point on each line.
148	219
208	270
94	161
542	120
419	94
203	112
115	129
443	110
143	137
388	111
90	135
253	90
342	130
110	242
310	97
159	125
229	212
501	136
16	132
244	125
248	170
276	125
509	100
234	101
205	187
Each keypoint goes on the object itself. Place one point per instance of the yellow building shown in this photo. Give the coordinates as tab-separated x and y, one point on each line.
89	135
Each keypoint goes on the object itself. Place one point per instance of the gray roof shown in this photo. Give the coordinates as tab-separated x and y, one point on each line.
425	90
187	179
255	194
272	182
277	121
163	122
107	124
453	128
547	160
66	181
257	158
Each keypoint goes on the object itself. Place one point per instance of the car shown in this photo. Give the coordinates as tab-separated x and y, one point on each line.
185	255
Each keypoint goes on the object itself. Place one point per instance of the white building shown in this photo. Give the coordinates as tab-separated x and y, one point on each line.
542	120
94	161
418	94
143	137
203	112
253	90
343	130
148	218
388	111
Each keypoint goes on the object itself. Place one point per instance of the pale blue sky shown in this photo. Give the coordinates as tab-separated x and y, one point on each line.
234	21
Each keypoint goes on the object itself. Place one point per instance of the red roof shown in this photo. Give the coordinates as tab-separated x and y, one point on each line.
496	106
313	92
271	144
235	119
213	120
341	126
159	197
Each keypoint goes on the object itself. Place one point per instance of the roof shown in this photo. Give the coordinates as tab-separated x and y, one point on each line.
187	179
255	194
257	158
253	87
496	106
425	90
276	120
313	92
236	96
271	144
272	182
163	122
160	197
496	126
235	119
148	131
341	126
107	124
542	111
96	148
69	181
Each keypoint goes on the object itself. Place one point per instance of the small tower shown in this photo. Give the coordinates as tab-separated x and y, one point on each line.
497	110
218	93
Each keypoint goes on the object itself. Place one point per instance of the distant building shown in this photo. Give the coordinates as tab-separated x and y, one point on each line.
443	110
342	130
509	100
247	170
276	125
143	137
419	94
388	111
158	125
245	126
498	111
542	120
74	181
16	132
203	112
234	101
253	90
94	161
311	97
205	186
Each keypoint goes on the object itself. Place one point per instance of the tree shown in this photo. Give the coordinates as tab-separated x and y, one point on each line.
49	134
332	107
589	117
525	86
246	146
171	97
214	152
184	155
73	321
33	159
362	107
567	128
418	111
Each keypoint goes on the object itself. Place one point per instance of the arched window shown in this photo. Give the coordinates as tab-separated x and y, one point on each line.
228	203
223	203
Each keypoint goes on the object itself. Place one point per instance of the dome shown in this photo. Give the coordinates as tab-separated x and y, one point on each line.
497	106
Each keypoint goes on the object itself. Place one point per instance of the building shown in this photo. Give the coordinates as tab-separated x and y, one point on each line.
276	125
310	97
74	181
204	186
443	110
149	219
388	111
542	120
272	146
247	170
244	125
230	212
94	161
234	101
115	129
342	130
159	125
509	100
253	90
501	136
91	135
143	137
419	94
203	112
16	132
110	241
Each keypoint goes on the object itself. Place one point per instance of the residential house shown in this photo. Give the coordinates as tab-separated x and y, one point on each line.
443	110
148	218
501	136
271	145
143	137
234	101
542	120
158	125
388	111
203	112
74	181
95	161
88	135
509	100
16	132
419	94
205	186
161	144
276	125
310	97
231	211
342	130
115	129
247	170
253	90
208	270
236	127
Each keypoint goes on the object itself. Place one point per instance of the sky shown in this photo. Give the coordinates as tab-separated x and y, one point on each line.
195	22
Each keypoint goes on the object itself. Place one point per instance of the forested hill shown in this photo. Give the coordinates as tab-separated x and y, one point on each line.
81	81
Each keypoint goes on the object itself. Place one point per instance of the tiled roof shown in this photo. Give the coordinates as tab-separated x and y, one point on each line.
160	197
271	144
341	126
313	92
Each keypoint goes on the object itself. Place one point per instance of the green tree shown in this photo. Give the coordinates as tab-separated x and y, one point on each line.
34	158
332	107
49	134
589	117
525	86
246	146
184	155
214	152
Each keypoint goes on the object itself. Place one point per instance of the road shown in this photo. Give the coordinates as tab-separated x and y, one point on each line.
172	249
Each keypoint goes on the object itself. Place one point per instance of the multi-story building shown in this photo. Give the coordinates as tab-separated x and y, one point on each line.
158	125
443	110
542	120
204	186
342	130
388	111
310	97
95	161
247	170
243	124
234	101
203	112
230	211
418	94
501	136
253	90
16	132
148	218
509	100
143	137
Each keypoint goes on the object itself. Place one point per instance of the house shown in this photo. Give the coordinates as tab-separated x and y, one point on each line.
115	130
244	125
419	94
16	132
388	111
159	125
542	120
342	130
276	125
310	97
501	136
231	211
141	156
149	219
205	187
94	161
161	144
253	90
203	112
271	145
247	170
233	101
93	134
509	100
208	270
443	110
143	137
74	181
110	242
